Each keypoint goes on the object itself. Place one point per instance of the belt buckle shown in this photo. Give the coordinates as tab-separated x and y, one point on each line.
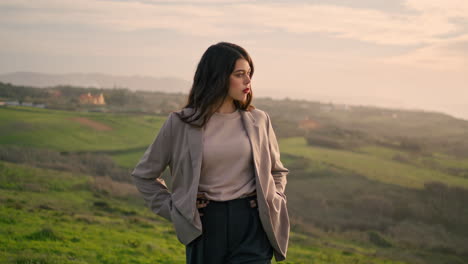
201	202
253	202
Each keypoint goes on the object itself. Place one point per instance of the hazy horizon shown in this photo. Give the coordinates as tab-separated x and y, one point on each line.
405	54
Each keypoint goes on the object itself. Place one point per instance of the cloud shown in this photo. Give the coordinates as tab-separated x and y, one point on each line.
428	23
208	17
447	8
446	55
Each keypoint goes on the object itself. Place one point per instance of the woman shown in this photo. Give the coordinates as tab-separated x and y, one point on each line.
227	201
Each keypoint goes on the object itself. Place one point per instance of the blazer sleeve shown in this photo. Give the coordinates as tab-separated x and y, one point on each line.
278	171
147	173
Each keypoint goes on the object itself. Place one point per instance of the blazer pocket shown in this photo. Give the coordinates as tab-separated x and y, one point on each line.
282	195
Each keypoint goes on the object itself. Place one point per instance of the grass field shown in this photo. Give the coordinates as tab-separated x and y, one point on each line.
60	130
47	216
439	161
56	217
376	166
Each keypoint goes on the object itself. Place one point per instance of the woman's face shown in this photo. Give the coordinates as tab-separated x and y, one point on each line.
239	81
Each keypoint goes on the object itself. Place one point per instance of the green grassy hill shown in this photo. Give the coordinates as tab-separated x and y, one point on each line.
376	164
366	204
124	136
76	131
57	217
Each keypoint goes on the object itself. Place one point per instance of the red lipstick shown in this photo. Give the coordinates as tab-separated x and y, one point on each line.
246	90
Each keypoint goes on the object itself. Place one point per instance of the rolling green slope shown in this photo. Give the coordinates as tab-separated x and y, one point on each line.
55	217
437	161
122	136
76	131
361	205
377	167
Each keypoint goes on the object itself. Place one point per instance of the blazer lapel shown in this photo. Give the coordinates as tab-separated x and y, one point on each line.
251	127
195	147
195	144
253	133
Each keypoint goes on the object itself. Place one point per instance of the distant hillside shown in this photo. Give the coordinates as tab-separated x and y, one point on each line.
326	124
178	85
366	182
97	80
353	204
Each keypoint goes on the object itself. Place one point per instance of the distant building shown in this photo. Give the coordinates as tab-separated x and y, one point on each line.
16	103
13	103
55	93
326	108
308	124
40	105
92	99
331	107
344	107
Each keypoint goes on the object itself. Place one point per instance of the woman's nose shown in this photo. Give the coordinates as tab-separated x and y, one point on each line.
247	79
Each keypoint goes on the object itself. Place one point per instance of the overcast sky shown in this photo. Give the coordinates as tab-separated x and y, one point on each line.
400	53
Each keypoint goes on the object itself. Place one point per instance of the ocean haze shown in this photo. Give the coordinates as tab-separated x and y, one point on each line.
98	80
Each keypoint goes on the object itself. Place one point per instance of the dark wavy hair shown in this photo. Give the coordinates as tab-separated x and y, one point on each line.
211	82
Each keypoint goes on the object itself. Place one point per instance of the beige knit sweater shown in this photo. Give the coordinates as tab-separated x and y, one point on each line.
227	168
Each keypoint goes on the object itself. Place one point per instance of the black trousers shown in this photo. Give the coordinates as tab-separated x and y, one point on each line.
232	234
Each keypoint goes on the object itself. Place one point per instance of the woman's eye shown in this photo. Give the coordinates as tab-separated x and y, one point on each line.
242	74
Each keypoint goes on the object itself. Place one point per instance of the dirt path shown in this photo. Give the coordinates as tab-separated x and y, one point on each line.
93	124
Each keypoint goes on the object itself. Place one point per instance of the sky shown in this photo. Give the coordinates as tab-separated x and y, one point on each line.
401	53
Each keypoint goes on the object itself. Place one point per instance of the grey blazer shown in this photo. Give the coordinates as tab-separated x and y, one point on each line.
179	145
